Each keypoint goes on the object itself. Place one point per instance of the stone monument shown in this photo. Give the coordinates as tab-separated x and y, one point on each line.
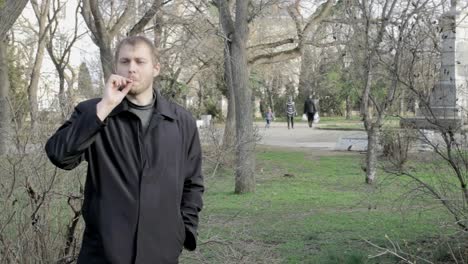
448	104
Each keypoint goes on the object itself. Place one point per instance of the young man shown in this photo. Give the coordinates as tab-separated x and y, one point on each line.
144	185
310	110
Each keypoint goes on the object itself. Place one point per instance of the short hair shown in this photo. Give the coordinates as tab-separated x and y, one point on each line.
135	40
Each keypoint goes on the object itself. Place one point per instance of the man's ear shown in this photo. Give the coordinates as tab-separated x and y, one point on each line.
156	69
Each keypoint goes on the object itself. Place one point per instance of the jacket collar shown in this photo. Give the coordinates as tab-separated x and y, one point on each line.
161	106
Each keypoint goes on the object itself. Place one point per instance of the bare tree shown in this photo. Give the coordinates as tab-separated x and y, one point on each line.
9	12
59	46
370	29
269	53
104	32
41	11
447	181
236	33
147	17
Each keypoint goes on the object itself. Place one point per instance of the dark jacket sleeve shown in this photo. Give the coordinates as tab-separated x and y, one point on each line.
67	146
193	189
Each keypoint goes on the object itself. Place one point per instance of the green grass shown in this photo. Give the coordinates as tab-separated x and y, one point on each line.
322	214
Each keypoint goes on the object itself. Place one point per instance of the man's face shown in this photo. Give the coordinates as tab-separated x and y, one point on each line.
135	62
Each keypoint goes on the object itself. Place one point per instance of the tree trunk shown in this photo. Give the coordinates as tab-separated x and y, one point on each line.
245	160
269	89
62	96
107	60
402	104
305	77
9	12
348	107
236	33
42	12
34	84
245	142
4	104
371	158
200	94
229	136
158	31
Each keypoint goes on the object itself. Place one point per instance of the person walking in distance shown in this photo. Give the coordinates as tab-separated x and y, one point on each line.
310	110
144	185
290	112
269	116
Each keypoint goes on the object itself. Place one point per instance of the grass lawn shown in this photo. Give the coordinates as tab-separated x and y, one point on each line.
320	212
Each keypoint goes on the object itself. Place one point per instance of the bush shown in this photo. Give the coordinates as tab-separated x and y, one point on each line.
396	144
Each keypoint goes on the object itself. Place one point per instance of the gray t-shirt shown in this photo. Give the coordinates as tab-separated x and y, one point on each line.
143	112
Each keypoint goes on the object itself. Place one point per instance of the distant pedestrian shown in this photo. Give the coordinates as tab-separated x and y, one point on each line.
290	112
269	116
310	109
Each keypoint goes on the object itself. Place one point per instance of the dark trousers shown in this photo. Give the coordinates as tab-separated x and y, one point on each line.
310	118
290	121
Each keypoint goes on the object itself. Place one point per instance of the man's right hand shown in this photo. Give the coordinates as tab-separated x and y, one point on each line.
117	87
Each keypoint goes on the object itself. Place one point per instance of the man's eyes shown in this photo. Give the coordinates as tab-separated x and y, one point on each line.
138	61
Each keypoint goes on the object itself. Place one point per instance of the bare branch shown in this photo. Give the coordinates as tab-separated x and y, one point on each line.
150	13
123	18
276	56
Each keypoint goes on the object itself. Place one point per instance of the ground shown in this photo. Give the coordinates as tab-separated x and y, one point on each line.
311	205
303	136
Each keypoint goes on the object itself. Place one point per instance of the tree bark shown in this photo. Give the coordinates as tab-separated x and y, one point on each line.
305	77
62	96
348	107
270	87
229	136
402	107
5	115
150	13
371	46
245	160
41	12
236	34
371	158
371	155
9	12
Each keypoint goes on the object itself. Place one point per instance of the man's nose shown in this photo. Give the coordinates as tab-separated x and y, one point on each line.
132	67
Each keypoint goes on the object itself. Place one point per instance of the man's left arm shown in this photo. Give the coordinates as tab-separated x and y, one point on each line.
192	202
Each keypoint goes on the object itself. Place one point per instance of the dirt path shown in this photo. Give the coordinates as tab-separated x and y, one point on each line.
302	136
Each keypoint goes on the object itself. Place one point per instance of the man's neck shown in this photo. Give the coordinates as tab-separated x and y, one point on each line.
144	98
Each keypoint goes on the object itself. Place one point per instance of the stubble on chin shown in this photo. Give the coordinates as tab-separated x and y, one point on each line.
138	90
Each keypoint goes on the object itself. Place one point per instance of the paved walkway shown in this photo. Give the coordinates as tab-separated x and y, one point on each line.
303	136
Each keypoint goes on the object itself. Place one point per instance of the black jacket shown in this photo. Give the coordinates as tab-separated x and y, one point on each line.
143	192
309	106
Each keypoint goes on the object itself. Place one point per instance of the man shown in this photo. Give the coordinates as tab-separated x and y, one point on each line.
144	186
310	110
290	112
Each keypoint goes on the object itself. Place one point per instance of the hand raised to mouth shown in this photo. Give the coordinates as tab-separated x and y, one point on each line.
117	87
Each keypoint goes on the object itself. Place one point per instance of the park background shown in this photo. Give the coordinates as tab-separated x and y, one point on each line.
382	178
